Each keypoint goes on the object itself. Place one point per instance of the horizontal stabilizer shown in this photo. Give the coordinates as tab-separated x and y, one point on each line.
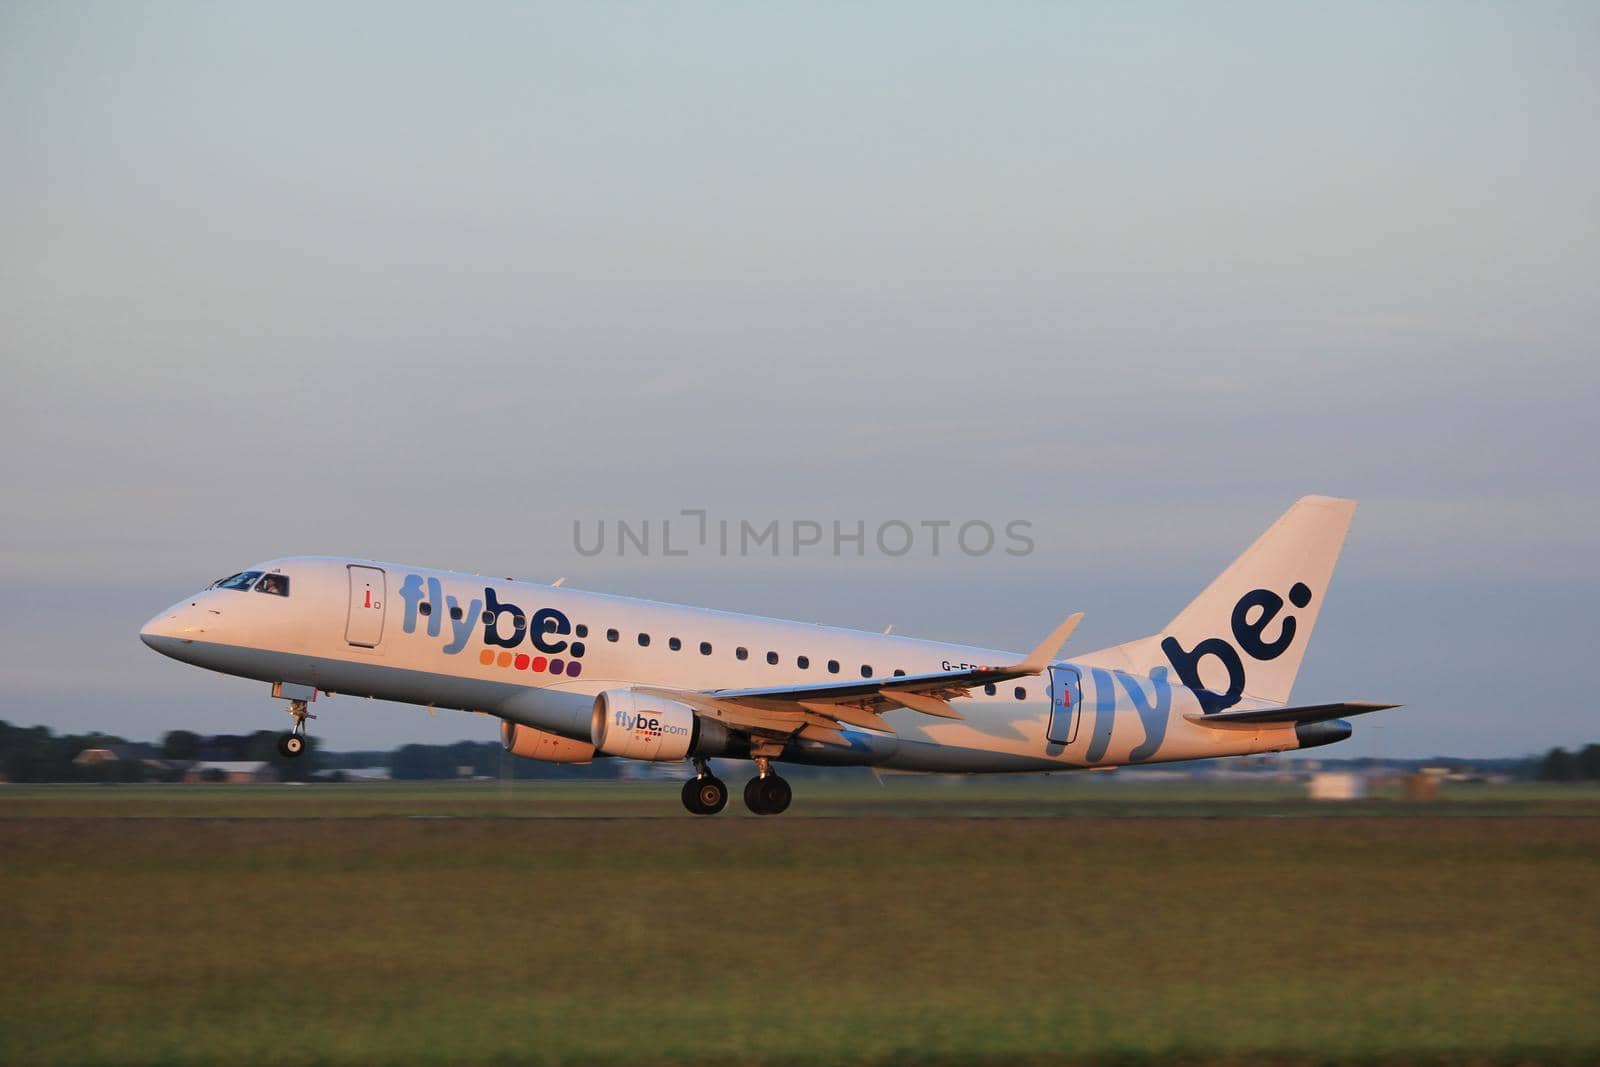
1280	716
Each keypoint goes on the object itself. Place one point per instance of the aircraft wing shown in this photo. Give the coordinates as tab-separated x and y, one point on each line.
1280	716
816	712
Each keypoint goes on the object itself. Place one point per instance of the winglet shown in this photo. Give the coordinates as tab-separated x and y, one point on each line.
1040	657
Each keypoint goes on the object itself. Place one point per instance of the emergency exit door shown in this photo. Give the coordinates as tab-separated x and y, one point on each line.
1066	705
365	624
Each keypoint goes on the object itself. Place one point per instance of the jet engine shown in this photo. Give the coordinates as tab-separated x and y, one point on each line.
625	723
529	743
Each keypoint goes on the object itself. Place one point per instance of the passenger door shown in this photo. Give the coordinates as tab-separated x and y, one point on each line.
367	594
1066	701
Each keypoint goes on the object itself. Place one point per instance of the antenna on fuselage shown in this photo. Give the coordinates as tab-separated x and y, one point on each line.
557	583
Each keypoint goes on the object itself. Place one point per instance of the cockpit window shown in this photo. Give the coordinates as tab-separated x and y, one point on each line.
276	584
242	580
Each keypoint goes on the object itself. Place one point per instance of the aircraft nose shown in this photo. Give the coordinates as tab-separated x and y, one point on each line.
160	631
157	628
179	624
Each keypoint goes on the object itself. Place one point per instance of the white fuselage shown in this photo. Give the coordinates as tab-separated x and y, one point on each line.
537	655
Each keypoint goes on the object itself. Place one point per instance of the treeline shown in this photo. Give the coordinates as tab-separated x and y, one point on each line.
35	754
1559	765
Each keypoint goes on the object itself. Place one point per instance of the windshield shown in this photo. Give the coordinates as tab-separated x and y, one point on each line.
242	580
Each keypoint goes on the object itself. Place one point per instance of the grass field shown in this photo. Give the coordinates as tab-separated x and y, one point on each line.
599	924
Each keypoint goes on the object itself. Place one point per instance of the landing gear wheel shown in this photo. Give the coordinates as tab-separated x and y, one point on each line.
293	743
769	795
706	795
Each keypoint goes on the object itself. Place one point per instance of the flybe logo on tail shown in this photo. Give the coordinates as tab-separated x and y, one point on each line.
1252	615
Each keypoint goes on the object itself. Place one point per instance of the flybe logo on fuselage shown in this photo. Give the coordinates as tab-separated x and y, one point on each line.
504	626
1249	634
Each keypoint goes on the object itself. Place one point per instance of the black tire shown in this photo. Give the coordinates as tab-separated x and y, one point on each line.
291	745
691	797
712	793
767	796
775	795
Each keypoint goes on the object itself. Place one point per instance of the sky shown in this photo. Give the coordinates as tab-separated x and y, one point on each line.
435	283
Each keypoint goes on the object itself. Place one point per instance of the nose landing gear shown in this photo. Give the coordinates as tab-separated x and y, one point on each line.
294	742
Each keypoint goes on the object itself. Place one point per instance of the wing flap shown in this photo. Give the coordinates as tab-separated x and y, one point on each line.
813	732
850	715
928	705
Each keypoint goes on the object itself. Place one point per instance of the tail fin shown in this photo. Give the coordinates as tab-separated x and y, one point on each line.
1247	633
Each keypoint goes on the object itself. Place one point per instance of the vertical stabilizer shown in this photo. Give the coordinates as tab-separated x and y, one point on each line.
1246	634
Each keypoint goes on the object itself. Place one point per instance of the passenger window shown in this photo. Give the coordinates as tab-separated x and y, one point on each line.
833	666
989	689
772	658
580	630
424	609
612	636
644	640
803	662
1021	692
866	670
455	613
705	648
741	653
549	625
898	673
674	644
488	618
275	584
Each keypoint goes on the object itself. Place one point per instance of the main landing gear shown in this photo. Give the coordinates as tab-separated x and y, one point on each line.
294	742
704	794
765	794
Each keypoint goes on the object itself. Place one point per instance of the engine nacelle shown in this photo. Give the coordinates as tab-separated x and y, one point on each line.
529	743
640	727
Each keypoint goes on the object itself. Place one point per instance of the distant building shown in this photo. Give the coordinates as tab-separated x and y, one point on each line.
231	771
1338	785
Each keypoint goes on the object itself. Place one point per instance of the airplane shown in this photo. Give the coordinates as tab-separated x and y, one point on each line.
574	675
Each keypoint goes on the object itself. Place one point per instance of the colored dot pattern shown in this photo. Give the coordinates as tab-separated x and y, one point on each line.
537	664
